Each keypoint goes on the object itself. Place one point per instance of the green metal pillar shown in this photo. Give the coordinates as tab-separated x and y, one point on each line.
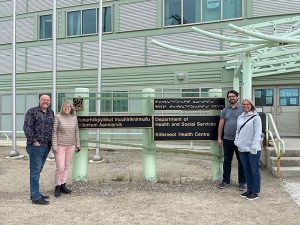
80	160
149	152
217	160
236	83
247	76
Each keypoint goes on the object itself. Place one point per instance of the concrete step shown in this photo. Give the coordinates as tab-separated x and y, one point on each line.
286	161
290	152
287	171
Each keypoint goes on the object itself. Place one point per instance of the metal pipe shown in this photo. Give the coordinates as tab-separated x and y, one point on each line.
97	156
54	57
14	151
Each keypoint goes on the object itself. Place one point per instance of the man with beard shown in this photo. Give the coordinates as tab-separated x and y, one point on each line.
38	126
228	124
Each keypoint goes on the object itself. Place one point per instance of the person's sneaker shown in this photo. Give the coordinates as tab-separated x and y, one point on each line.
223	185
252	196
242	187
245	194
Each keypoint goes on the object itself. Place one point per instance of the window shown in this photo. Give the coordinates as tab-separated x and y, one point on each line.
204	92
45	27
106	19
89	21
178	12
74	23
211	10
84	22
264	97
289	96
120	105
193	92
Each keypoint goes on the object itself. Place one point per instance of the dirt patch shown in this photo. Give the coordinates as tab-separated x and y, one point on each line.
117	194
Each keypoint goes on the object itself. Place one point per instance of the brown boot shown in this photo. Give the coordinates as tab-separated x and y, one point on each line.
64	189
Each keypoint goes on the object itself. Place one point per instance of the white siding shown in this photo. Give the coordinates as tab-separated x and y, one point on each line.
21	6
67	3
137	16
272	7
5	61
6	8
6	32
123	52
25	29
39	58
39	5
90	55
190	40
68	56
20	60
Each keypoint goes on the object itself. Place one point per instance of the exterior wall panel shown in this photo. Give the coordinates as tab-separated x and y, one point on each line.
6	8
137	16
189	40
39	59
39	5
123	52
68	57
25	29
6	32
21	6
5	61
271	7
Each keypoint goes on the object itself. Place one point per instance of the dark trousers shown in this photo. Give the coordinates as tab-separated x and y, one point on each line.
251	167
37	159
229	149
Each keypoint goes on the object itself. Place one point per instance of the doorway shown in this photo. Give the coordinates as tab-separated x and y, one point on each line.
283	103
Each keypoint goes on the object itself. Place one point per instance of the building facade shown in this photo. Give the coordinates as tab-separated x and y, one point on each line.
130	62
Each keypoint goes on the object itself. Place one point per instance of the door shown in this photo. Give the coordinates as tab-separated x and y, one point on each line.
283	103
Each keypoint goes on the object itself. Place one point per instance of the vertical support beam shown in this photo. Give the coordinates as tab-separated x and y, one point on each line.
14	152
217	161
236	83
247	76
149	152
80	160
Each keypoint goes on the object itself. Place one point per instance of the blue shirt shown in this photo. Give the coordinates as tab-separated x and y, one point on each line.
38	126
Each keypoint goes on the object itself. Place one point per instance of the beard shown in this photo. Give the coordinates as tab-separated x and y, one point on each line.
232	101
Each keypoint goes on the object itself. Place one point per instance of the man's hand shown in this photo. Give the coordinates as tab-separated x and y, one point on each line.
36	143
220	141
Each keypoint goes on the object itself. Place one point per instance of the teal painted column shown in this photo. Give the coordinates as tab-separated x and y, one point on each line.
236	83
80	160
247	76
149	152
217	161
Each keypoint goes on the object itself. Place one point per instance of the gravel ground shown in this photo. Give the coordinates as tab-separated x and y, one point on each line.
117	194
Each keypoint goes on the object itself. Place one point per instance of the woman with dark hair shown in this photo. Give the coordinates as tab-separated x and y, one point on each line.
248	141
65	140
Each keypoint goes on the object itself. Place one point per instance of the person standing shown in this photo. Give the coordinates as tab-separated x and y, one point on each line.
248	140
38	125
65	140
227	124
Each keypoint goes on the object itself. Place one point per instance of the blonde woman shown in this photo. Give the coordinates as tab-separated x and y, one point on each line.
65	140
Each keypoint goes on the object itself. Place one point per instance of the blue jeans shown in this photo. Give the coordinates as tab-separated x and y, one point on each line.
251	167
229	149
37	159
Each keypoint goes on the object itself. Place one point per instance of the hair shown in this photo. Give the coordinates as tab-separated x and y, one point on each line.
65	104
233	92
251	103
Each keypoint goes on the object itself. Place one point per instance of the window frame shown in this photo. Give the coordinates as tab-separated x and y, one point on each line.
39	27
81	21
201	15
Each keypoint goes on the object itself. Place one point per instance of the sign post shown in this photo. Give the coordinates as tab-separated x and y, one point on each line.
80	160
149	156
216	150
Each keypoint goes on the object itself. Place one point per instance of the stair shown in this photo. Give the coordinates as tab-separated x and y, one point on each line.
289	163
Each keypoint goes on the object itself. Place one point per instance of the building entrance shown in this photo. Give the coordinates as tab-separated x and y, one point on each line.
283	103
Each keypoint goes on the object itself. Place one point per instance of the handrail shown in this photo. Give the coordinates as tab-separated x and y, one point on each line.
279	144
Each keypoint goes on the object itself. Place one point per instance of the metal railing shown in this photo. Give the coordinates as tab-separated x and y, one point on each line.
279	144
